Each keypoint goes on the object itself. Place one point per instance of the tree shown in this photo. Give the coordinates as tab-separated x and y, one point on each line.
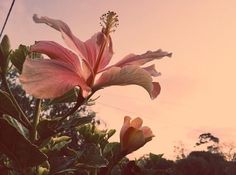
202	163
210	140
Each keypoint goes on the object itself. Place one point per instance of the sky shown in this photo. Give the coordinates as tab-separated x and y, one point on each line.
198	82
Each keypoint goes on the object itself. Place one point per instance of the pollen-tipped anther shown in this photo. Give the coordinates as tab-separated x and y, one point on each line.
109	21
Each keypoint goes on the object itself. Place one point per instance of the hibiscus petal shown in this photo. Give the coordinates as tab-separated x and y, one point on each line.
94	45
127	120
50	78
56	51
155	90
132	140
138	60
125	126
126	76
72	41
136	123
152	70
107	54
147	132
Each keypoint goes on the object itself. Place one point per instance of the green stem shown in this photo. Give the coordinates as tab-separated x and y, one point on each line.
26	123
80	101
36	120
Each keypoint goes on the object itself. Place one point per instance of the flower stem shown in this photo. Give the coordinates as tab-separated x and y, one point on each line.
80	101
36	120
25	120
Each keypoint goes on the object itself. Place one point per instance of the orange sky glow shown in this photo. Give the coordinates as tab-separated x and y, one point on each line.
198	82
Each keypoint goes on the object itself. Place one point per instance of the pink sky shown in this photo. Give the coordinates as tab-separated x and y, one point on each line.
198	82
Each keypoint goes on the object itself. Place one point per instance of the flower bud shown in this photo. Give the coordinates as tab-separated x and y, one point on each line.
133	135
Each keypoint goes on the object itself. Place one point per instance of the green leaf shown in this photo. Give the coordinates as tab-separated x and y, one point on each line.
46	128
4	54
18	56
110	133
60	142
111	150
55	145
2	62
155	157
91	157
42	171
16	146
78	121
60	164
7	106
5	45
20	128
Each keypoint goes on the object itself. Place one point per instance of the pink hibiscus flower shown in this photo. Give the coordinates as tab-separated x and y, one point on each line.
66	69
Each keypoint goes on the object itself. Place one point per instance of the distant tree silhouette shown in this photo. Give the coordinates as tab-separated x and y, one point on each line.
155	164
231	168
211	140
180	151
228	150
202	163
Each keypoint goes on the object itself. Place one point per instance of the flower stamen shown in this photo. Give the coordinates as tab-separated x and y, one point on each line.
109	21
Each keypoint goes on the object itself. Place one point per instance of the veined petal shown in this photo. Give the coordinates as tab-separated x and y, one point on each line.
94	45
72	41
147	132
128	75
107	54
127	120
125	126
156	89
50	78
132	140
56	51
152	70
136	123
139	60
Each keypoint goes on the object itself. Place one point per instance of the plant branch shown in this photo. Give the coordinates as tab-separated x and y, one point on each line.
36	120
80	101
